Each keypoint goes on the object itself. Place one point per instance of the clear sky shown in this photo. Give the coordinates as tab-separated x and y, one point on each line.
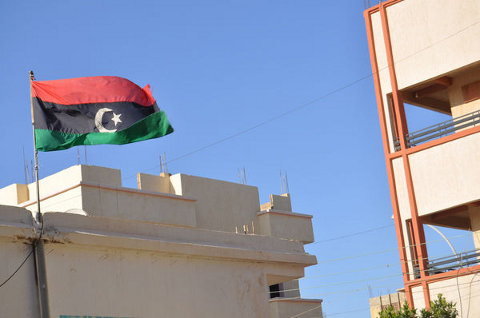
218	68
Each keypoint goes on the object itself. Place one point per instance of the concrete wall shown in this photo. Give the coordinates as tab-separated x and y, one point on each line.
179	200
443	176
385	84
128	283
467	287
377	304
430	38
445	43
446	175
455	94
221	205
103	266
18	296
287	308
433	37
135	205
288	225
119	252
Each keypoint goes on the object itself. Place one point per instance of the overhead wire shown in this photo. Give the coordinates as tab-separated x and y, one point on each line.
17	269
301	106
353	234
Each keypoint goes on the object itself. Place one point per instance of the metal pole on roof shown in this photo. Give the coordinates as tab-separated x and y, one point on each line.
38	244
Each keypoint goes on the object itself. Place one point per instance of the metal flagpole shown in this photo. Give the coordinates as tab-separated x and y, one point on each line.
35	152
38	248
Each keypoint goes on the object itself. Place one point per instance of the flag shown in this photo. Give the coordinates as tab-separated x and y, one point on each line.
94	110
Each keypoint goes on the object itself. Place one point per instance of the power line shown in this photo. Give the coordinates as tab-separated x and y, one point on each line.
299	107
354	234
18	268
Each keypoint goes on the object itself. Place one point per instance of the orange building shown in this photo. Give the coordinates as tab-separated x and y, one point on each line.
426	53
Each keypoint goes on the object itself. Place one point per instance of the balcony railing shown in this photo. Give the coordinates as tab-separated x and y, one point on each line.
452	262
440	130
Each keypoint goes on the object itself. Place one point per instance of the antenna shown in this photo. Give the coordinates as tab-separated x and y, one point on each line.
242	175
284	183
32	167
25	168
163	164
78	155
85	150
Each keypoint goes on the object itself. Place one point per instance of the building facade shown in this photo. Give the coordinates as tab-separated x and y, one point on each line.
178	246
426	53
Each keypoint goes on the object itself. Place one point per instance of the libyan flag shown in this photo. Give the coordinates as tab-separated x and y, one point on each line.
94	110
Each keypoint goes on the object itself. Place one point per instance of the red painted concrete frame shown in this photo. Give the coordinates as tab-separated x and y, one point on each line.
399	111
403	153
390	172
418	232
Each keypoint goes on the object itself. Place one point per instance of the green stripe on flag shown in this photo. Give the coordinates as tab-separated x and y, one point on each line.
154	126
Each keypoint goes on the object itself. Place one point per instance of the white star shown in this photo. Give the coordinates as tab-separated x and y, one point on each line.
116	119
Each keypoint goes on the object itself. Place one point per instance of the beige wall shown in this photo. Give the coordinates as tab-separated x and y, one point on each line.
18	296
446	175
377	304
468	287
433	37
135	205
288	225
180	200
127	268
128	283
443	176
385	84
455	94
221	205
286	308
430	38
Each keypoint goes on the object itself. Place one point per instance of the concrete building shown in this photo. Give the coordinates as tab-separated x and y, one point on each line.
395	300
426	53
178	246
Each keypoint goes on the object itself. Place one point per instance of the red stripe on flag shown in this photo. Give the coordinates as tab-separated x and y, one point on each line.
98	89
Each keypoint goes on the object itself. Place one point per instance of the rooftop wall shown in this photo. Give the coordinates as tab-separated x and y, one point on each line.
431	38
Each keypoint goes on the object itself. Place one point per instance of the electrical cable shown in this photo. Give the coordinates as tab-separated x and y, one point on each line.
306	311
353	234
299	107
18	268
470	295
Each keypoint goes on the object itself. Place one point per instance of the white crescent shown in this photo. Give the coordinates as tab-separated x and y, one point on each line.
98	120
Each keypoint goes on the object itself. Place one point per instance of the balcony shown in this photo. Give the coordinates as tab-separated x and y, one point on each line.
450	263
440	130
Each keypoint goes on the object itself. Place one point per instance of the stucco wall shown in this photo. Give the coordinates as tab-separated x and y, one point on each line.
446	175
18	296
466	286
127	283
288	225
284	308
433	37
221	205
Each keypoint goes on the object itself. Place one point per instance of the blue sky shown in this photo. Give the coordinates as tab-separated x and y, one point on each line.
218	68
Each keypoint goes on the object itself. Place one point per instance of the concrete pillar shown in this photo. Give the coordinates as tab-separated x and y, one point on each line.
474	212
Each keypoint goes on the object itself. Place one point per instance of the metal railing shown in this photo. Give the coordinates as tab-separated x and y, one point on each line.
440	130
452	262
449	263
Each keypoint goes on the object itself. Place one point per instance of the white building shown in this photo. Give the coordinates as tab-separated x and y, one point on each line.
178	246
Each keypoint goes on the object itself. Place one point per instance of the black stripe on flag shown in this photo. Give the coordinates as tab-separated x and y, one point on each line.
80	118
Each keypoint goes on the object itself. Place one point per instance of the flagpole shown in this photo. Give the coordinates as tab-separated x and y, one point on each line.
38	248
35	152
